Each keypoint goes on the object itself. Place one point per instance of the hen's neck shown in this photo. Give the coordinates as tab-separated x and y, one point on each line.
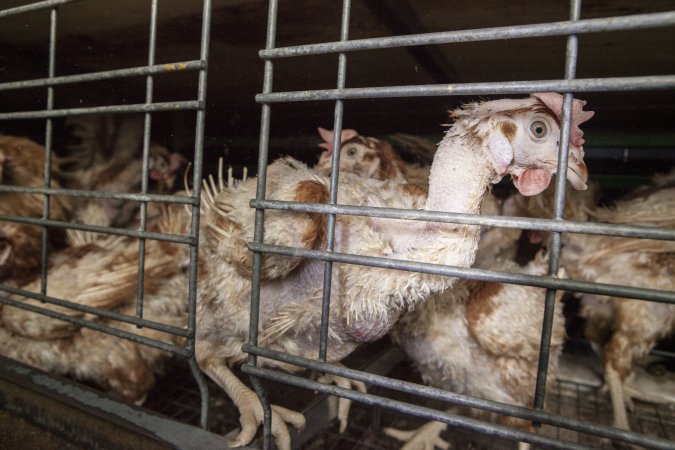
460	175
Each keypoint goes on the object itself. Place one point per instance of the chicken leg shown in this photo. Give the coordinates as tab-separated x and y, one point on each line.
250	409
343	403
426	437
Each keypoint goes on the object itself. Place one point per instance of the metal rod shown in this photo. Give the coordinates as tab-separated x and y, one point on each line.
558	214
484	428
142	108
459	399
101	229
194	225
101	327
474	274
145	159
105	75
178	199
632	22
46	4
491	88
333	188
51	71
259	230
631	231
108	314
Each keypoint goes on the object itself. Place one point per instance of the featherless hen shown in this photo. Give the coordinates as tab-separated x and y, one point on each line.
489	140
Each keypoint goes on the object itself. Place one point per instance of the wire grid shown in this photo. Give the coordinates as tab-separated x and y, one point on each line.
569	85
49	113
177	397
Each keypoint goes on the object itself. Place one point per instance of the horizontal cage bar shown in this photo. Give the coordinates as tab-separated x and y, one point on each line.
153	107
492	88
474	274
177	199
564	28
634	231
454	398
35	7
108	314
157	69
100	327
191	240
477	426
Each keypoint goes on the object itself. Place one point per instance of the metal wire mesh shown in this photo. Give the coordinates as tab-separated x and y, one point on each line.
568	84
573	405
51	82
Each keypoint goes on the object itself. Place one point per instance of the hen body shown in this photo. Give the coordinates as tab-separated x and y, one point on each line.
625	330
22	163
482	339
106	155
102	273
488	141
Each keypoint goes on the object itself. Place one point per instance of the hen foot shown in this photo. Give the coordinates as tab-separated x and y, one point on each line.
343	403
426	437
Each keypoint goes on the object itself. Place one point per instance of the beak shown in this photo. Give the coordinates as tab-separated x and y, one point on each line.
577	172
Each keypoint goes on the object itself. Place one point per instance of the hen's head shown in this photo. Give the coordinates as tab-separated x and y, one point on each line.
164	166
364	156
522	138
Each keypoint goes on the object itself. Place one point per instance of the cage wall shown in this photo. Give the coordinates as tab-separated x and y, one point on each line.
340	72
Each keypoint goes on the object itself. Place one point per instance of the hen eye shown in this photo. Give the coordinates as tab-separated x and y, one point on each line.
538	129
351	151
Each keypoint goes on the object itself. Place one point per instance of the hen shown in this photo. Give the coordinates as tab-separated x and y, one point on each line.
22	163
102	273
626	330
373	158
107	149
480	339
622	330
487	141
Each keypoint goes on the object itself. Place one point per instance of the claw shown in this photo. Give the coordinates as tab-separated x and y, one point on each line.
426	437
250	410
344	404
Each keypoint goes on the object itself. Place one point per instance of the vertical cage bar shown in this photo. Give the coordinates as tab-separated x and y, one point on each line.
258	232
194	225
48	151
147	122
334	179
558	212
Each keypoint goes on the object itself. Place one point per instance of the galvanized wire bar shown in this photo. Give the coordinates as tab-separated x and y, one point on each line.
459	399
158	69
136	108
194	224
631	231
333	190
650	82
34	7
484	428
145	163
103	328
108	314
632	22
178	199
48	151
558	214
258	232
474	274
178	239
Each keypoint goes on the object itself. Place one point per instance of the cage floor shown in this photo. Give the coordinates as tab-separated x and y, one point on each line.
576	395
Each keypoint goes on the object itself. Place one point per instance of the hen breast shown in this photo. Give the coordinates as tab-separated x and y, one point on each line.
482	338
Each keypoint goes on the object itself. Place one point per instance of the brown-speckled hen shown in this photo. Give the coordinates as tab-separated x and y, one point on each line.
489	140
